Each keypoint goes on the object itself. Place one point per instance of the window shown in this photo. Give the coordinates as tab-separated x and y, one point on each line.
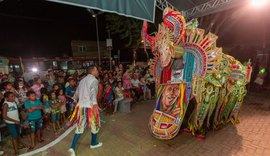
82	48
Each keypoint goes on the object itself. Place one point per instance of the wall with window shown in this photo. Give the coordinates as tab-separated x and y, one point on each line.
89	49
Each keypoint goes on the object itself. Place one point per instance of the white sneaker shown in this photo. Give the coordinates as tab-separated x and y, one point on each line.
96	146
71	152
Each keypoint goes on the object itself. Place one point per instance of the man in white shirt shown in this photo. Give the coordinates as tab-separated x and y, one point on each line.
86	94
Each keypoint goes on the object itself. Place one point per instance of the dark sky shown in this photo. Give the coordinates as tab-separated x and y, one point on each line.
31	28
41	28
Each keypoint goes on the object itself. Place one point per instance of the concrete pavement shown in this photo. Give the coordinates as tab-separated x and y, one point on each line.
128	135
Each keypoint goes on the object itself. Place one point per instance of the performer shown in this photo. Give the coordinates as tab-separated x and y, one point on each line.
86	111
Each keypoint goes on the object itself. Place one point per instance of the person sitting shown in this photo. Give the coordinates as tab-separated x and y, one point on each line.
108	96
127	84
119	95
136	87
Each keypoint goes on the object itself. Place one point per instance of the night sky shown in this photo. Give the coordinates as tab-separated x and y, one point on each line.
39	28
31	28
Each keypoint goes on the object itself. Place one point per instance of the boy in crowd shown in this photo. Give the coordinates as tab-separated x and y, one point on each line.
70	91
34	108
11	118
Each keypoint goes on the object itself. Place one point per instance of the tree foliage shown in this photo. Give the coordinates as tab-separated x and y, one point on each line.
127	28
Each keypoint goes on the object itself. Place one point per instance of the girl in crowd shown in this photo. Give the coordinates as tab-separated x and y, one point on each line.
63	108
47	108
21	91
37	87
108	96
55	111
127	79
119	95
55	88
145	89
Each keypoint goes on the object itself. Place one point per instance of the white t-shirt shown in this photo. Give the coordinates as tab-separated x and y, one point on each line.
135	83
12	112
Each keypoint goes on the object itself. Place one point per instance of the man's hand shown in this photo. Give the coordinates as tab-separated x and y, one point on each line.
96	110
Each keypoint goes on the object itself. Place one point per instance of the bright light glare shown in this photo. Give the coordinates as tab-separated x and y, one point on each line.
258	3
34	69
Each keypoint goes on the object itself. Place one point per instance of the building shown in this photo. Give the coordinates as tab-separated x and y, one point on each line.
89	49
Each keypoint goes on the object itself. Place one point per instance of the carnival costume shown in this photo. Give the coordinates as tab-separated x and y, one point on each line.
188	66
83	114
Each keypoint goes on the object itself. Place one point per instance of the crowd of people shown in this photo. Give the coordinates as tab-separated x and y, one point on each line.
27	108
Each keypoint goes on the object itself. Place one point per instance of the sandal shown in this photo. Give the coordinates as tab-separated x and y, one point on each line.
30	148
41	141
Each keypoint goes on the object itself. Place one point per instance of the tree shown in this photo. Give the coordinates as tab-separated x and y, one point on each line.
126	28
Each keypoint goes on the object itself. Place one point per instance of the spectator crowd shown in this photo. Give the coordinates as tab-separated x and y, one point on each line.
28	108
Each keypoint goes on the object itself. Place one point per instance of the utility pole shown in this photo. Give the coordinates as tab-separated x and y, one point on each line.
99	63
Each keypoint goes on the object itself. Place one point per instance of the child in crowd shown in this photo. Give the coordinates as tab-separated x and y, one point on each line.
55	88
63	108
24	121
136	86
108	94
70	91
37	87
34	108
21	92
119	95
8	87
47	108
111	79
55	110
145	89
11	118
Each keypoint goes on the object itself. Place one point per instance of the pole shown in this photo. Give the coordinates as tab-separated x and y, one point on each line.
98	41
118	52
110	58
110	51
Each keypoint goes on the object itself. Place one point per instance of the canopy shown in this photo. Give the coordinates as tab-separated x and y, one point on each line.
139	9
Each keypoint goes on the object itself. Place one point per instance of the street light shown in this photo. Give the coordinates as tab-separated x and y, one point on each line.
258	3
34	70
261	4
94	15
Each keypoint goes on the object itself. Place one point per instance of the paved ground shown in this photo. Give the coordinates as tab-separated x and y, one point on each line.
128	135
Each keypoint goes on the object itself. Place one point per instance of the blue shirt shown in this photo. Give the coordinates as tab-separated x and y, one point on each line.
35	114
70	91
